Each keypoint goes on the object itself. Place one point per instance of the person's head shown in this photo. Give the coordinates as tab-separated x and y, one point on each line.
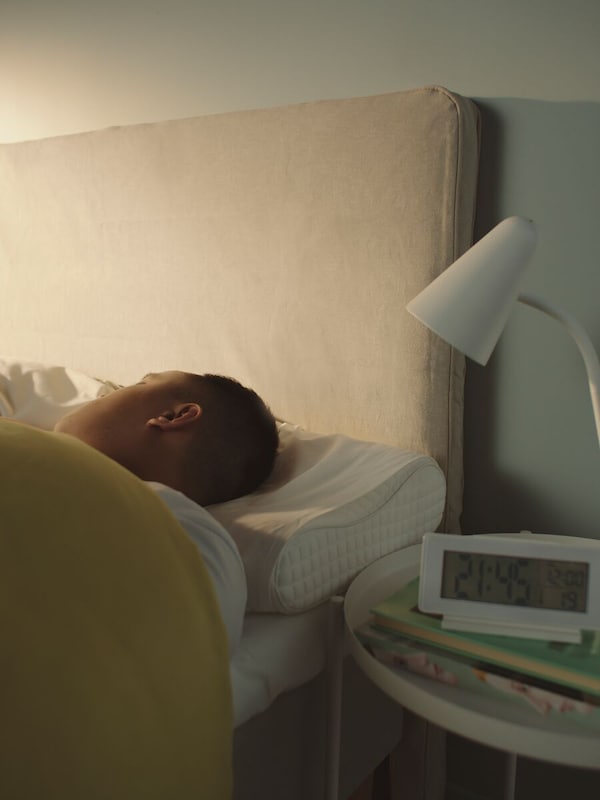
205	435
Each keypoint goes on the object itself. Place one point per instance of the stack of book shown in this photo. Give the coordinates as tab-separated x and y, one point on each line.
553	678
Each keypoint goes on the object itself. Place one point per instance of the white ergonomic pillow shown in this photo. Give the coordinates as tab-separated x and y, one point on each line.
332	506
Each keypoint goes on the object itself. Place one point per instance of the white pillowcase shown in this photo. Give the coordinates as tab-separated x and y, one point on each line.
332	505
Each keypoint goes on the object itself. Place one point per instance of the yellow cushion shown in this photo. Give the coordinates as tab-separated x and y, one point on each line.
114	679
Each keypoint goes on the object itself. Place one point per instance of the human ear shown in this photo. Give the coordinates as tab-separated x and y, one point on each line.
177	418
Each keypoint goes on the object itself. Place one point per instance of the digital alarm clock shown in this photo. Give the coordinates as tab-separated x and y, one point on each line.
524	584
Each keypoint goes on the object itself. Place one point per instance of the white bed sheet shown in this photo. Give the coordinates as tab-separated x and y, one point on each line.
277	653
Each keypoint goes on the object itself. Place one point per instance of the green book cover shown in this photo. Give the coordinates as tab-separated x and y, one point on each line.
573	665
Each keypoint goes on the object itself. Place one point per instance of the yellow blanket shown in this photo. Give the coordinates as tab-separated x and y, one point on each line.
114	679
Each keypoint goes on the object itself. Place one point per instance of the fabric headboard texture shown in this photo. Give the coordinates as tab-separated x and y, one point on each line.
279	246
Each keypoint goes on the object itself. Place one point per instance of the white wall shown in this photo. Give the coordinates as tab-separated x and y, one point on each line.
533	65
68	65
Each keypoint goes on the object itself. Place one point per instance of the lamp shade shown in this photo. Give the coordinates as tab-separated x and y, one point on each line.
469	303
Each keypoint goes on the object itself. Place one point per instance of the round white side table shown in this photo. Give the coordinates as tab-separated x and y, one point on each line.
519	731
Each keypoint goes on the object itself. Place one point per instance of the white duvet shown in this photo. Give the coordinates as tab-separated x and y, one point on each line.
40	394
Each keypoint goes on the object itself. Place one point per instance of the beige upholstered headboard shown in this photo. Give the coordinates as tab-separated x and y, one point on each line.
278	246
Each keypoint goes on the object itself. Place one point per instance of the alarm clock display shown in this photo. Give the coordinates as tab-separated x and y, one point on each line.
509	580
531	585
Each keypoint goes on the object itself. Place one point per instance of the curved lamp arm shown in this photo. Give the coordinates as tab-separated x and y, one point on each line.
583	341
469	303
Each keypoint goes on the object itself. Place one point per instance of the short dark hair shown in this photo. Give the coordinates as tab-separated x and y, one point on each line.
235	448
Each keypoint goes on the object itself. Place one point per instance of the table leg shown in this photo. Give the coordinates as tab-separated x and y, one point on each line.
418	764
510	776
335	667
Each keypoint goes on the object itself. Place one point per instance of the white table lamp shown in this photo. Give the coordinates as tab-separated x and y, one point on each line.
468	304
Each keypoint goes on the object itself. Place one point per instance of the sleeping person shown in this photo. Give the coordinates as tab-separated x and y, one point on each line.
197	440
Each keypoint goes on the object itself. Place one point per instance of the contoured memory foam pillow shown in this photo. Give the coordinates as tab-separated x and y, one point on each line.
332	506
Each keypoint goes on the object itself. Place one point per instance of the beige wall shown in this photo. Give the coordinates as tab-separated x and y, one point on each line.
69	65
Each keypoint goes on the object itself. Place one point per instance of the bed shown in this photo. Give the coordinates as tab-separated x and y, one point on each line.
279	246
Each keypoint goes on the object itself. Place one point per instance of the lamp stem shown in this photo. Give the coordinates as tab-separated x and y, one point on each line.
583	341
